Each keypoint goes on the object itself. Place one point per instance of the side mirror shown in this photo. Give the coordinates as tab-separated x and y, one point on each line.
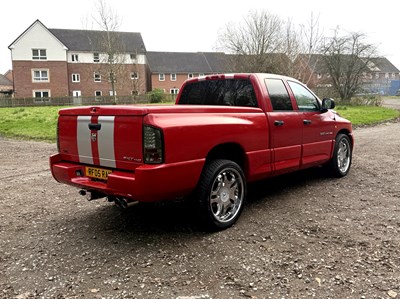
328	103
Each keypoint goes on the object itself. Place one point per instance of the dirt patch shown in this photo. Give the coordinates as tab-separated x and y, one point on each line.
301	235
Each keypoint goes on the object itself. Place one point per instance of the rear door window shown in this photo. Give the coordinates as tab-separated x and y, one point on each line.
228	92
278	95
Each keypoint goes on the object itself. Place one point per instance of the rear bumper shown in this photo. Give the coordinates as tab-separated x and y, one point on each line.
146	184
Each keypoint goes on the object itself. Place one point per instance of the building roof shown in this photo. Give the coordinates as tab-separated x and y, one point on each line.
186	62
88	40
314	61
378	64
4	81
382	65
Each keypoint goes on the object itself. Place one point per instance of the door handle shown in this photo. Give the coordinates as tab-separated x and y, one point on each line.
94	127
307	122
279	123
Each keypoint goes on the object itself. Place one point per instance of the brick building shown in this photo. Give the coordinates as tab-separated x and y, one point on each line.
170	69
61	62
377	77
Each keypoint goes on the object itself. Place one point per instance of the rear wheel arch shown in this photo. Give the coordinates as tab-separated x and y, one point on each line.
229	151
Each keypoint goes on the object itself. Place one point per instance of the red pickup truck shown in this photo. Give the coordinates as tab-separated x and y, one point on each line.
223	132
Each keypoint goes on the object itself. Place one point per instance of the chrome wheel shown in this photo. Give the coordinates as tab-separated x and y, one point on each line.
340	163
226	196
343	155
221	193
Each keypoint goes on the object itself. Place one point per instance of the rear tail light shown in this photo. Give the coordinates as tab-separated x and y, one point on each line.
153	151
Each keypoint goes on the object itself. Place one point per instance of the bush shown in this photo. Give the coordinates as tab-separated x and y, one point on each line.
367	100
156	96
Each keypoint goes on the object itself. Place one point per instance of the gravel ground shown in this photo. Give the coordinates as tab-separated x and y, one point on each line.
301	235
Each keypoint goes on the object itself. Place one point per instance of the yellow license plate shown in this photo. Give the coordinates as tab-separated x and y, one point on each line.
97	173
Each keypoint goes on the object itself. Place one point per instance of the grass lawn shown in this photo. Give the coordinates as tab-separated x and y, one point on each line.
366	115
39	123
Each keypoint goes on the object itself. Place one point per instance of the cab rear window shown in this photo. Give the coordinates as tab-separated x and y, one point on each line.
227	92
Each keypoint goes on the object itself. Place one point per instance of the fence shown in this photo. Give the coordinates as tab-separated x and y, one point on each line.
78	101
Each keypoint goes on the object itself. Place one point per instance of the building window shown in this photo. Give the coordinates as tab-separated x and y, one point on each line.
190	75
161	77
201	74
386	75
97	95
134	92
133	56
74	57
76	78
112	93
112	77
173	77
393	75
76	93
97	77
134	75
174	90
40	75
376	76
39	54
41	95
96	57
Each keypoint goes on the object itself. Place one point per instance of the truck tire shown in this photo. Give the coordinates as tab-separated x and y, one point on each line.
221	193
340	163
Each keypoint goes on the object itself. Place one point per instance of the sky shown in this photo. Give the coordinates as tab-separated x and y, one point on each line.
193	26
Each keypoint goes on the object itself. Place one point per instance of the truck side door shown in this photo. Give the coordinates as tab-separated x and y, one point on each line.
285	128
318	127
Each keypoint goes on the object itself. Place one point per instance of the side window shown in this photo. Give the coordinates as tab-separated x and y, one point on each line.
228	92
305	100
278	95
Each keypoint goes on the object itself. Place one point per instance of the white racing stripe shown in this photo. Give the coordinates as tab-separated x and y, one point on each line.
84	142
105	141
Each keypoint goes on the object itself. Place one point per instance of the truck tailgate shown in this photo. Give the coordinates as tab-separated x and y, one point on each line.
110	141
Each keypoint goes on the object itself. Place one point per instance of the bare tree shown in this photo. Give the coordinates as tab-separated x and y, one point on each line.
112	56
347	58
253	41
291	48
310	43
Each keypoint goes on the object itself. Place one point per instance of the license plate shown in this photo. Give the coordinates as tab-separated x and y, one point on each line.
97	173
